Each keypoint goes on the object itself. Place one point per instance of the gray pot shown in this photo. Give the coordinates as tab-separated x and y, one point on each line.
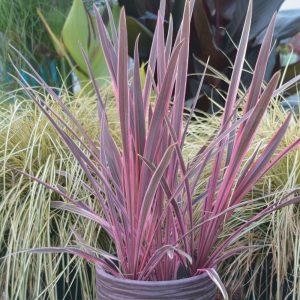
199	287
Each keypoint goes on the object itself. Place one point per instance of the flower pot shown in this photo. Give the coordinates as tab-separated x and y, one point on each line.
199	287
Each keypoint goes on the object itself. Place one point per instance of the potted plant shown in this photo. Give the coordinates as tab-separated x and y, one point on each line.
145	189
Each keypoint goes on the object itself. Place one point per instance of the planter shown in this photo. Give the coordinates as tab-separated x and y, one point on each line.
199	287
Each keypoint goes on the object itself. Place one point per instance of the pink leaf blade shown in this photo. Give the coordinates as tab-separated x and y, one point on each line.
162	104
161	63
139	117
113	28
249	129
238	66
94	82
154	182
193	106
108	49
181	74
84	213
150	71
260	67
169	40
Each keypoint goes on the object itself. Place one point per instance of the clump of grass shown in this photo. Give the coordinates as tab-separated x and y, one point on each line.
28	142
271	271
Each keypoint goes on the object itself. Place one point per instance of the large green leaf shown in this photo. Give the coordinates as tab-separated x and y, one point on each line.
80	29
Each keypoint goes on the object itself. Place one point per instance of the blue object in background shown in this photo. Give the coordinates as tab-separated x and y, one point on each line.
54	73
51	77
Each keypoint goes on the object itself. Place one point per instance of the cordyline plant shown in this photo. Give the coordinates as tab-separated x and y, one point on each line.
145	189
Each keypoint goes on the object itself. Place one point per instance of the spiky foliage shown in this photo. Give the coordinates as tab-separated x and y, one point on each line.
146	191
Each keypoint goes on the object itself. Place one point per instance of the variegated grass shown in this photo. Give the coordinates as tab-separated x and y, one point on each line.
29	143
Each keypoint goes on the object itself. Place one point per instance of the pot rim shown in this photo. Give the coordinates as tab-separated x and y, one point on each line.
105	275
